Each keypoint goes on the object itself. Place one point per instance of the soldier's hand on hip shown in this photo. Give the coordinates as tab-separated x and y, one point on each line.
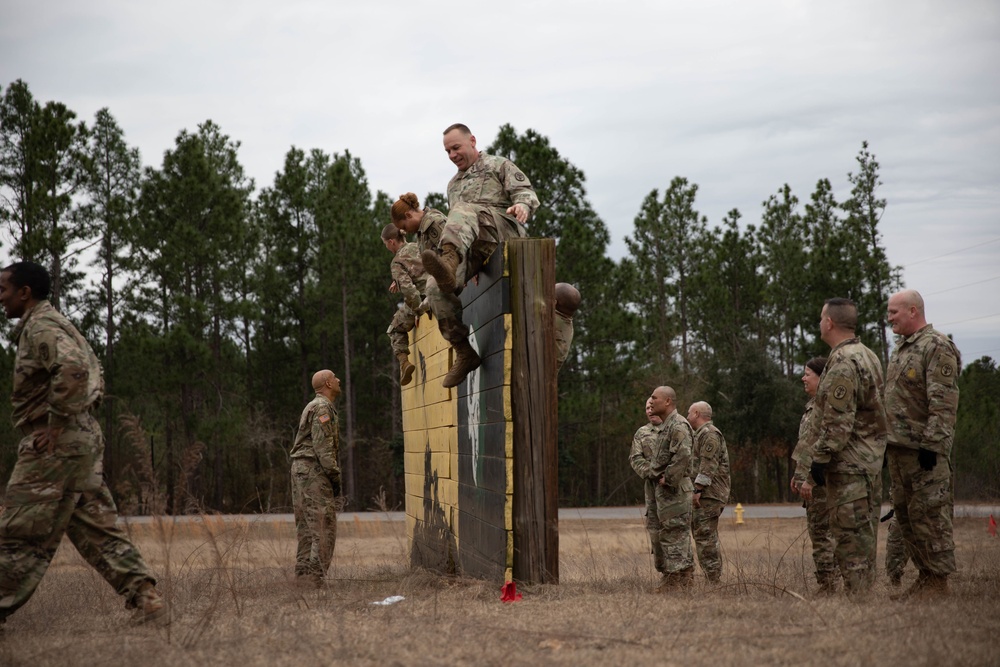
45	439
927	459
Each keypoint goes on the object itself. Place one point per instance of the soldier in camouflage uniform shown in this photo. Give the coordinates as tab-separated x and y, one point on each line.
817	516
711	488
410	280
661	456
316	480
922	403
567	302
57	485
895	551
489	200
850	445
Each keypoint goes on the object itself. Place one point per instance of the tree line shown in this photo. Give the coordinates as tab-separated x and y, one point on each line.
211	303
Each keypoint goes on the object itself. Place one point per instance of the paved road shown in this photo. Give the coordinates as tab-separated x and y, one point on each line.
784	511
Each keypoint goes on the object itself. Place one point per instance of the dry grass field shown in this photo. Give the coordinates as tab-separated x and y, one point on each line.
230	585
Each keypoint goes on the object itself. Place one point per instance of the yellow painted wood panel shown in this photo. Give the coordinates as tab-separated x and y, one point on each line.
440	463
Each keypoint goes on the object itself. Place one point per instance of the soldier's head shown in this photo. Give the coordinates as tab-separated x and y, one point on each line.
699	414
326	383
906	312
838	320
567	299
22	285
460	144
406	213
810	376
662	402
393	238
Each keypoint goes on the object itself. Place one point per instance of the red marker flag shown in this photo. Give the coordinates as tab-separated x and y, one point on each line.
508	593
993	526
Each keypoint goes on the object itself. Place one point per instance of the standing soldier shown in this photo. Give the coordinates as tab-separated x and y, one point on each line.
57	485
850	445
316	480
409	279
922	404
817	514
489	200
711	488
661	455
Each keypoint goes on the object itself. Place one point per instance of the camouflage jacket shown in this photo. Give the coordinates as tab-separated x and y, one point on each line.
711	462
808	432
56	374
664	450
494	182
563	336
429	232
318	436
408	272
850	413
921	391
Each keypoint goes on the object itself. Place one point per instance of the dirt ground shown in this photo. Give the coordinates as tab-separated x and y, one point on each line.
235	604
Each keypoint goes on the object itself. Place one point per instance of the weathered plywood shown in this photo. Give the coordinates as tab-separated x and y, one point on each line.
465	480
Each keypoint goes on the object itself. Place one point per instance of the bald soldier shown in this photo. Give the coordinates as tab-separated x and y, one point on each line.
661	455
850	444
711	488
921	396
316	480
489	200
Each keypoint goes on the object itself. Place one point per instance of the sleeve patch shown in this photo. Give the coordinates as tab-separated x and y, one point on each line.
43	352
945	372
518	176
839	394
324	418
709	448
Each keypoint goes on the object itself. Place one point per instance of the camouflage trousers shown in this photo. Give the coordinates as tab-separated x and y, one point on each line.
315	508
668	522
399	329
851	502
823	546
924	504
475	231
705	530
57	493
895	551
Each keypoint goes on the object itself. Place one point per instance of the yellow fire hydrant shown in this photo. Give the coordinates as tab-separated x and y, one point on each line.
739	514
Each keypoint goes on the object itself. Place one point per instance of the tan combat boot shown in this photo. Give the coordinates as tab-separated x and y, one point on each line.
466	361
405	369
150	606
442	266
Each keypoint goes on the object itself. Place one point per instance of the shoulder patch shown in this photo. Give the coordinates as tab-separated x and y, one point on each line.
839	394
43	351
709	447
324	418
518	176
944	372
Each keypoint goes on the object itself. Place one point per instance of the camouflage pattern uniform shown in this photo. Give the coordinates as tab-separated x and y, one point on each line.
851	442
564	338
922	402
408	273
57	382
315	487
817	516
895	552
664	450
711	467
478	199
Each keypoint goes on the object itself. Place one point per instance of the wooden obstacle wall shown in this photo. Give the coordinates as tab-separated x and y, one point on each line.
480	459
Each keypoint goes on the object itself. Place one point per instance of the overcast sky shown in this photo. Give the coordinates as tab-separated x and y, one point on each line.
738	97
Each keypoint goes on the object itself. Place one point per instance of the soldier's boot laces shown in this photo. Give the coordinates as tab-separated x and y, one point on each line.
405	369
150	607
466	361
442	265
